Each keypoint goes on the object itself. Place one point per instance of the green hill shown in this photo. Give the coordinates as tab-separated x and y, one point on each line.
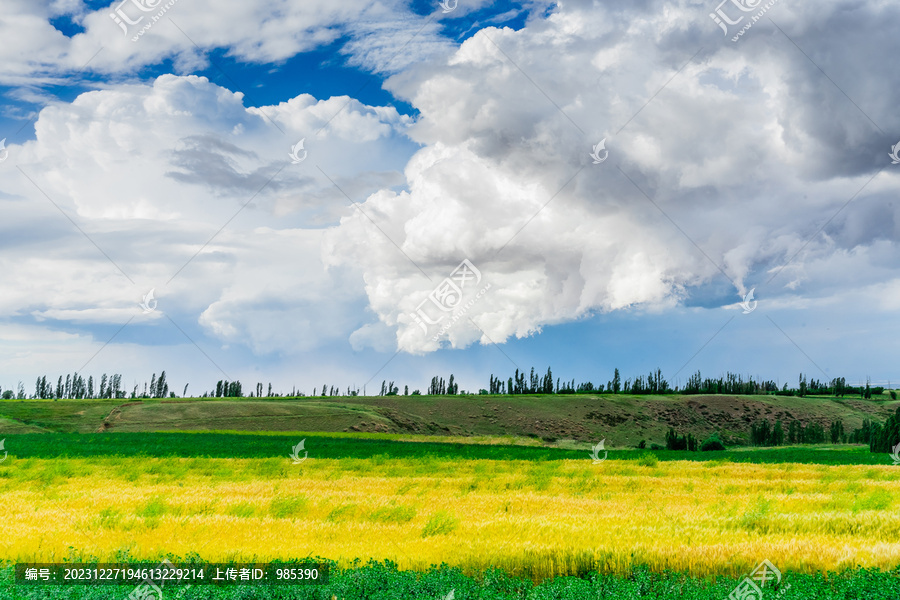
621	420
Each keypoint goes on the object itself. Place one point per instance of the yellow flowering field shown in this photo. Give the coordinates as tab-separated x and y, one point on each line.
534	518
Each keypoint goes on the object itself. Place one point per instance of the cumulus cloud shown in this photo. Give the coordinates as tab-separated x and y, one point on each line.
177	186
742	155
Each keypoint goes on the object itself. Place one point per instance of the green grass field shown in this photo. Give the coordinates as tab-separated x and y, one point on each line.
363	446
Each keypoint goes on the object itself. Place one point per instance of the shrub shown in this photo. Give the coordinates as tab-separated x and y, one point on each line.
712	443
648	460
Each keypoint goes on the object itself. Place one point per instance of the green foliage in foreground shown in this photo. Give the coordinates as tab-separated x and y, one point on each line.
377	581
229	445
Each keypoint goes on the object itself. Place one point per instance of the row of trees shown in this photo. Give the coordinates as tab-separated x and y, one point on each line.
230	389
731	383
836	387
883	438
75	386
439	387
10	394
159	388
764	434
687	442
655	383
880	438
538	384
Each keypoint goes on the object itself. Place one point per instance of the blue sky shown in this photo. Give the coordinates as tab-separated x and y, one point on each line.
321	72
434	139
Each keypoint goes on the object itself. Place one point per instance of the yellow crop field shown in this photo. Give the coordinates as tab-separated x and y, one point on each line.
536	518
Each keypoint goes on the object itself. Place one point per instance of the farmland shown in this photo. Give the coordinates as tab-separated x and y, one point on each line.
537	518
665	524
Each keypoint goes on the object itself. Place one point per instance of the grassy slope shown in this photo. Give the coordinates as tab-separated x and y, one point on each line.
621	420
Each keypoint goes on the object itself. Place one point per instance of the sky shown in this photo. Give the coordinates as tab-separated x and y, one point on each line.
339	193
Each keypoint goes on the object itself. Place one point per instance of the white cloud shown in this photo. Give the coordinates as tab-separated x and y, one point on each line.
382	36
749	149
177	186
724	150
